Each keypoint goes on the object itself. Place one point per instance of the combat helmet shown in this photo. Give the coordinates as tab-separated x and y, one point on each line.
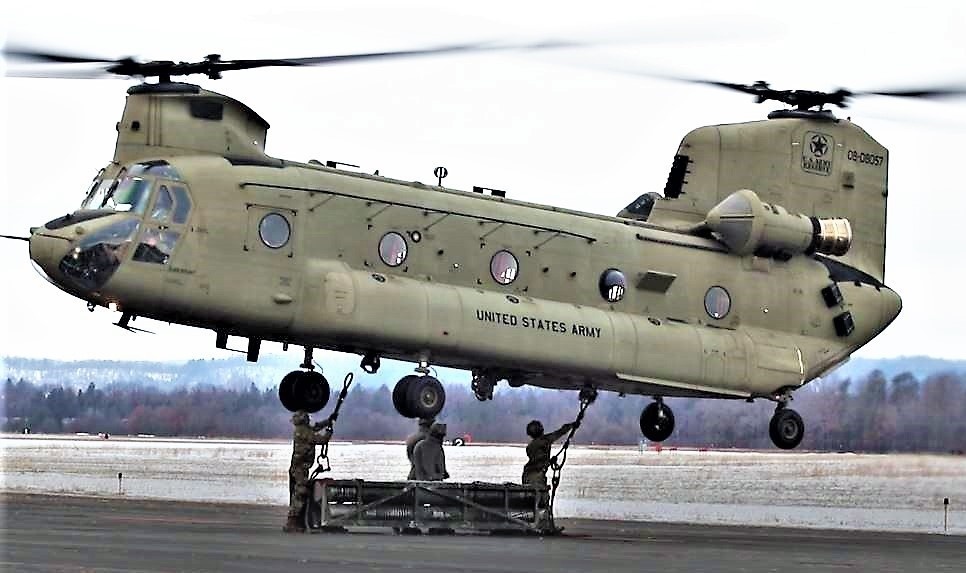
535	429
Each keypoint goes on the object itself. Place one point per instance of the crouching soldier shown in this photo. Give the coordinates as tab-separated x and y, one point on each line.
422	432
429	461
538	461
304	440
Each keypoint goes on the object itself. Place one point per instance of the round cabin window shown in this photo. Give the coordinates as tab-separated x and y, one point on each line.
717	302
612	285
393	249
504	267
274	230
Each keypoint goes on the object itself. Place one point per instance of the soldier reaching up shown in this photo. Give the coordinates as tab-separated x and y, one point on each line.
538	460
304	440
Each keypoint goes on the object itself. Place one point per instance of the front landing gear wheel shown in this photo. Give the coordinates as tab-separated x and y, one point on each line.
786	428
304	390
657	422
399	394
418	396
286	391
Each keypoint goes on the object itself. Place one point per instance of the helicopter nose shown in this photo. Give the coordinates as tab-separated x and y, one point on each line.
46	250
891	306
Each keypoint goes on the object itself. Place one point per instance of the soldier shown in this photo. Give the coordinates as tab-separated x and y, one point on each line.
538	454
304	440
421	433
429	462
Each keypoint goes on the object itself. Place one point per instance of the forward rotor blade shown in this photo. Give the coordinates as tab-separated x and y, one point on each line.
345	58
429	51
50	57
64	74
213	65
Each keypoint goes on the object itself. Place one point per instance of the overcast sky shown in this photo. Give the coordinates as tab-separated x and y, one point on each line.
569	128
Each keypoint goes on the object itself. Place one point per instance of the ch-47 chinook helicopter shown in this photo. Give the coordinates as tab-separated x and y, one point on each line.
758	269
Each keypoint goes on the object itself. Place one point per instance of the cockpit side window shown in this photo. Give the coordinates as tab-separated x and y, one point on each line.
165	225
163	205
182	205
156	246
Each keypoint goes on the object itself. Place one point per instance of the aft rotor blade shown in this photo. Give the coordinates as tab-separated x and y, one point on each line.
927	93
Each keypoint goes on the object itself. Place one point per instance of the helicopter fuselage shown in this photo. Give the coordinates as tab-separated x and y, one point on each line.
708	291
438	293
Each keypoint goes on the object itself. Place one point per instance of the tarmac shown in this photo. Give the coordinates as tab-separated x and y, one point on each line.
82	534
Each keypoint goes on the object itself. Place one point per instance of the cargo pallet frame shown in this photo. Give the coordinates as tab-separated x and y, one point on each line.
414	507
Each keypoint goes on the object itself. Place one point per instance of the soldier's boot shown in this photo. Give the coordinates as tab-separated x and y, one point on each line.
293	525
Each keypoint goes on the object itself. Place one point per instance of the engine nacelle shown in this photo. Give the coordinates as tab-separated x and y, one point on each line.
747	225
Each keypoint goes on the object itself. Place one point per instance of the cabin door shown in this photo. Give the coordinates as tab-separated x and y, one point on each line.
270	280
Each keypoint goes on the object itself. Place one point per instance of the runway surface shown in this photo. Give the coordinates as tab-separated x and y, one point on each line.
82	534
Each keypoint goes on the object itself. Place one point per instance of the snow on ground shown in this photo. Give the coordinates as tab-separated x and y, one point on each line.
856	491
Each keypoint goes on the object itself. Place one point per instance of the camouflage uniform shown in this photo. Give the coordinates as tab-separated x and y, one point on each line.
535	470
304	440
421	434
429	461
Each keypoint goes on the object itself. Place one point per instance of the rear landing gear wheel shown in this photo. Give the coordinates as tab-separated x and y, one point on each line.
657	422
418	396
304	390
786	428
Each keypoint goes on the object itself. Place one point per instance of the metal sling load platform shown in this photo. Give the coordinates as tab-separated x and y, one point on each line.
417	506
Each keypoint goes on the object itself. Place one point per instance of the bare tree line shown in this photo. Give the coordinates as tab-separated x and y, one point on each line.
871	414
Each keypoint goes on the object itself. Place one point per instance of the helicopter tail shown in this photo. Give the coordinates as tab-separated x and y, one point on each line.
806	162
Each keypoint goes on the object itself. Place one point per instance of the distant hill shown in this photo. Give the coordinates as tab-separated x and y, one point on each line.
235	372
919	366
232	372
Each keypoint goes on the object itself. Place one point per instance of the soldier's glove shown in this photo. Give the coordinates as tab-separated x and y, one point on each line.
574	425
318	426
333	418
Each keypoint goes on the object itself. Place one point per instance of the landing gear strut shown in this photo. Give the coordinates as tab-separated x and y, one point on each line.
657	421
304	389
418	396
786	428
483	385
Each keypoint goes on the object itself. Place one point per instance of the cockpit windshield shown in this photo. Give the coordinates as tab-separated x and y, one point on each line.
131	189
95	197
131	195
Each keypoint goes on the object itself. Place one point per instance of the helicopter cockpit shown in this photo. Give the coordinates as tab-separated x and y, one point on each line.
130	190
145	205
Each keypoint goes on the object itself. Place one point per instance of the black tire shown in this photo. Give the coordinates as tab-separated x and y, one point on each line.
657	422
425	397
399	396
312	391
786	429
286	391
